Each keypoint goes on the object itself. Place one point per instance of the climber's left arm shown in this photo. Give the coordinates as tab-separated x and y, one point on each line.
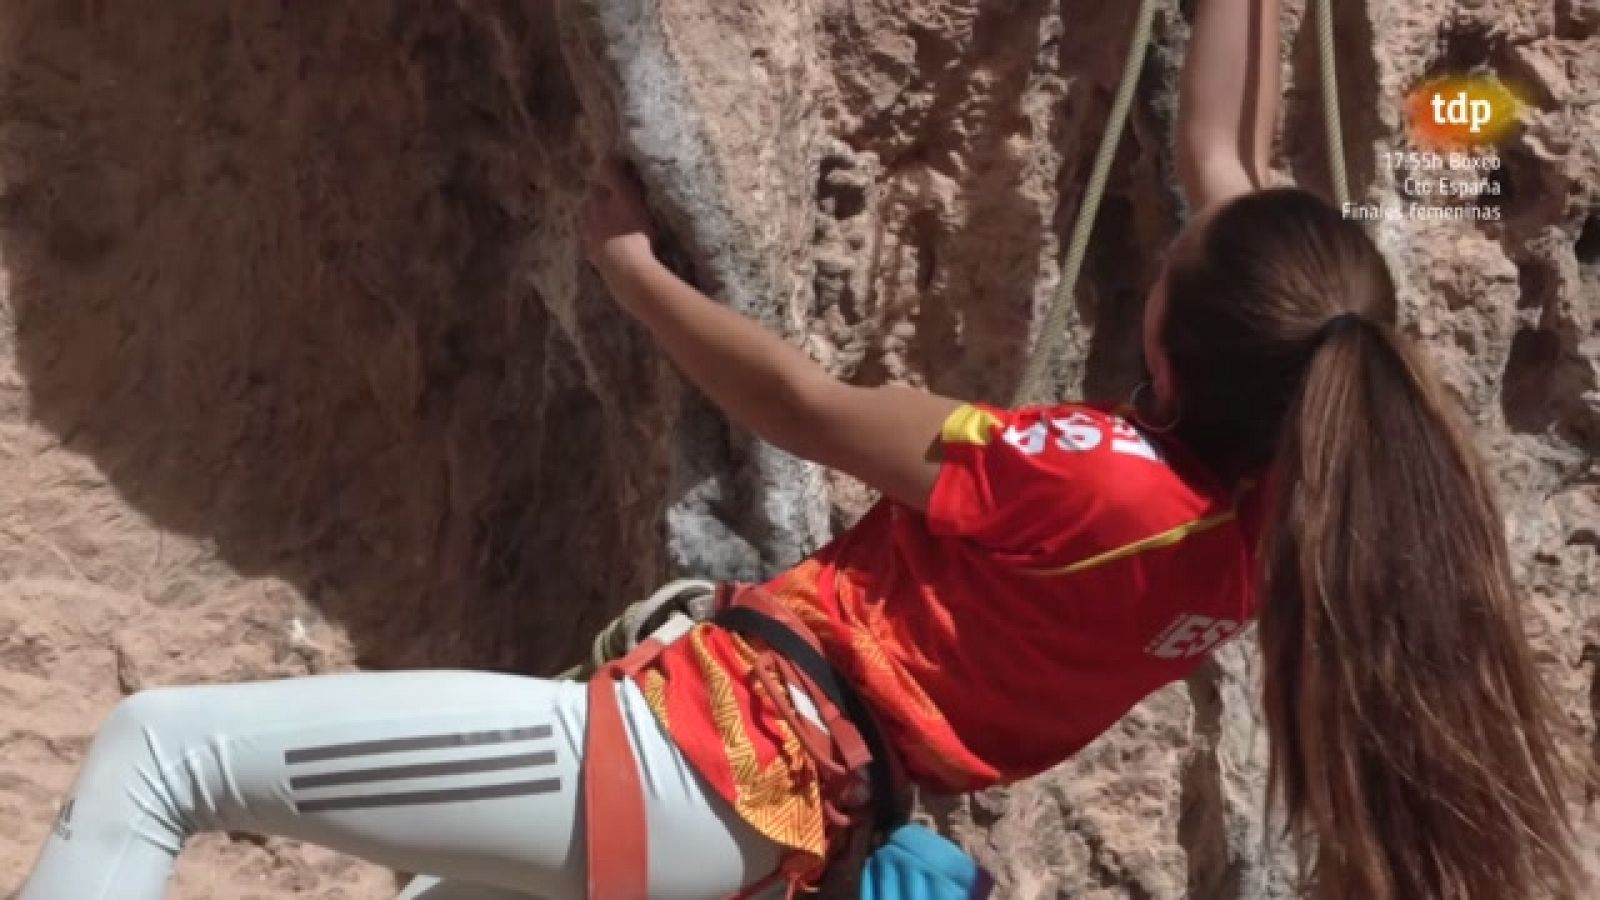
885	436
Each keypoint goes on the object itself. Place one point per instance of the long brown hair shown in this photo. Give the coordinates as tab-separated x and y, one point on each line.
1415	751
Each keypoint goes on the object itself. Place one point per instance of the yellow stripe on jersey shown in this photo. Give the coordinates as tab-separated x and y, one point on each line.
1164	539
969	425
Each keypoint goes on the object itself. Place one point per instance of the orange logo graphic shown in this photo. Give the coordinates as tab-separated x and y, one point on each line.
1459	111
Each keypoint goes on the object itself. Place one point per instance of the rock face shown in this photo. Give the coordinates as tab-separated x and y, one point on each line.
301	368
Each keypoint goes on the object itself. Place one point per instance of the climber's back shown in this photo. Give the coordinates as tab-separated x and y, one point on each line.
1067	565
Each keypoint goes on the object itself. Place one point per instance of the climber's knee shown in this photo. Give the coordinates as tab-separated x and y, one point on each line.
142	753
139	722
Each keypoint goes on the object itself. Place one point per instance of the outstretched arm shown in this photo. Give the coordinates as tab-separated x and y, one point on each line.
885	436
1228	100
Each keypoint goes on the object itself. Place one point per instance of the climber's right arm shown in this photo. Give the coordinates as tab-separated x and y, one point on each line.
1228	100
885	436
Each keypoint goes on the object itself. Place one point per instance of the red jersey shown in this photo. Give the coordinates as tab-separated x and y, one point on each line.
1067	566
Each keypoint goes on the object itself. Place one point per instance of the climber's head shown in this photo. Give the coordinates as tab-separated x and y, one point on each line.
1234	322
1415	748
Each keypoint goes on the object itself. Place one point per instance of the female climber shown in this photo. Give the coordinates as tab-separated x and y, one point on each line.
1029	575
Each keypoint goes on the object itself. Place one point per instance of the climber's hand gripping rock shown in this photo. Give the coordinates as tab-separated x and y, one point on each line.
615	225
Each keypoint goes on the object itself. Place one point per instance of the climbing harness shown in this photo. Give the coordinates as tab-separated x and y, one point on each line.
862	788
859	781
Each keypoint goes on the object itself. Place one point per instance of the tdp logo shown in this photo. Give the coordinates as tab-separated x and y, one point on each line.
1457	112
1462	110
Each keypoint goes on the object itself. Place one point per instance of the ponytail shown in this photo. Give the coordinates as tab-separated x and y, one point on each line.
1414	746
1415	750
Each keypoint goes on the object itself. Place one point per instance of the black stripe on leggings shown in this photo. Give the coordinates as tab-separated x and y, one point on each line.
424	742
424	770
414	798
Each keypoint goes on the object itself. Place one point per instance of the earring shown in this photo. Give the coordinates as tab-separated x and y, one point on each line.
1133	401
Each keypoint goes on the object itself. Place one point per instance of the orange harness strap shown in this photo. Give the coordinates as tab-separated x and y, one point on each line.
616	836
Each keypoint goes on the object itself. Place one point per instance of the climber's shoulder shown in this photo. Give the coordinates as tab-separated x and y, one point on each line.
1074	473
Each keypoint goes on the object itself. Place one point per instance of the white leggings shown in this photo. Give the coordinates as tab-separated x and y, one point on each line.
471	777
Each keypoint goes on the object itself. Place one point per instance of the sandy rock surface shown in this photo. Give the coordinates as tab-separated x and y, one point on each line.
300	369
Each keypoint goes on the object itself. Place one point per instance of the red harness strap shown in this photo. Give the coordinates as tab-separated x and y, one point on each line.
616	837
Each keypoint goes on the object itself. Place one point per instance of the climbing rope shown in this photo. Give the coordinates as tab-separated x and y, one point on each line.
1037	373
1330	103
678	604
